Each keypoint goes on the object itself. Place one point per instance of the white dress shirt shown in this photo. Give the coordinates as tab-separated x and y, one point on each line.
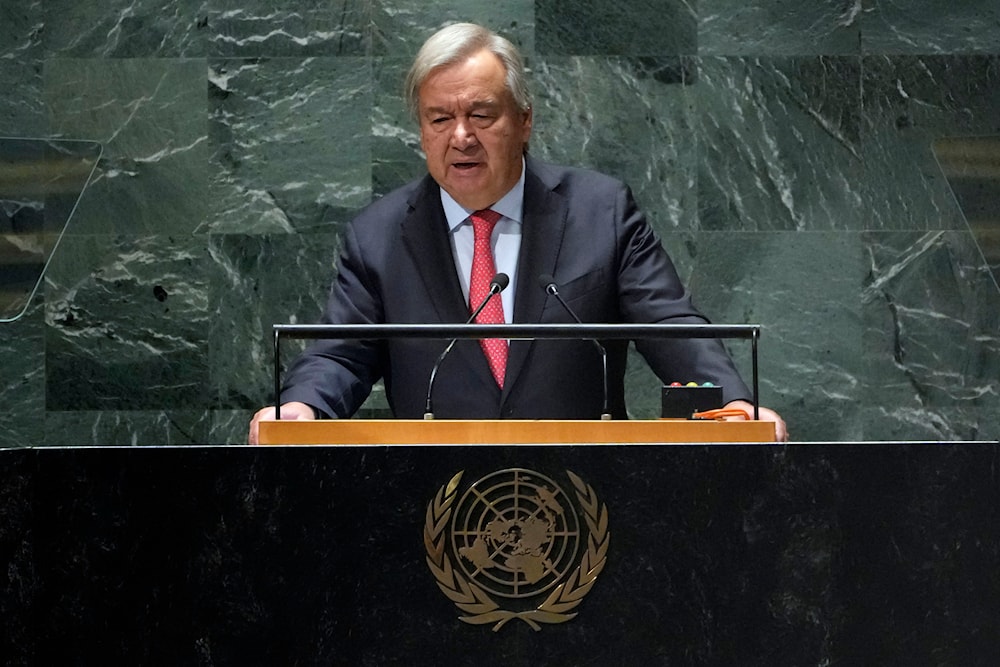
505	242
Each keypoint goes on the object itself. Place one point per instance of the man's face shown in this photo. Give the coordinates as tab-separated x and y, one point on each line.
472	130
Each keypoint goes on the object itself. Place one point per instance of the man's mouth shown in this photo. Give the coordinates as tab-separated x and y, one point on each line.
464	166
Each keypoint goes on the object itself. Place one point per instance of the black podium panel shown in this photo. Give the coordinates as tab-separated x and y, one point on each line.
717	555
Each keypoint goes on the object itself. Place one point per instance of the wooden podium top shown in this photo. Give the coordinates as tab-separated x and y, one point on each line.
510	432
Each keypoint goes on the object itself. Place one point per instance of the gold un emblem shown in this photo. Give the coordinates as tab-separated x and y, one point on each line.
515	539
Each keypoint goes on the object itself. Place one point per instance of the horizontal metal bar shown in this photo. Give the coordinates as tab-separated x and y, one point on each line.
513	332
516	331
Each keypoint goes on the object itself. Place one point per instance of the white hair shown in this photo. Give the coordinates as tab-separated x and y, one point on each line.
450	45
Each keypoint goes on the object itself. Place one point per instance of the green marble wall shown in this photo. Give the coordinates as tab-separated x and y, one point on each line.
783	150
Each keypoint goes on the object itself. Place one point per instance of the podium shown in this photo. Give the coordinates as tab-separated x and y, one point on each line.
732	554
511	432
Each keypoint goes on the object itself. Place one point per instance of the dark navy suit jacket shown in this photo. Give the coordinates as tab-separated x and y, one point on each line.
579	226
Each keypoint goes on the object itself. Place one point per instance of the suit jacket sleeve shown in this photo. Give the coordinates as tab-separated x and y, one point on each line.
335	376
651	291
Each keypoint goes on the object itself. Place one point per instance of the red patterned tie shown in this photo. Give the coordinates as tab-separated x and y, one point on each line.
483	270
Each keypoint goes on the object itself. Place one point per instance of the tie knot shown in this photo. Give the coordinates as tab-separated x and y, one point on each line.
484	221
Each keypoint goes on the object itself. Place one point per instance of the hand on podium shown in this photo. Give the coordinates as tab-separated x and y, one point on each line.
766	415
293	411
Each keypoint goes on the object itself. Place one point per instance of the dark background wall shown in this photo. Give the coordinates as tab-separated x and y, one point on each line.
785	152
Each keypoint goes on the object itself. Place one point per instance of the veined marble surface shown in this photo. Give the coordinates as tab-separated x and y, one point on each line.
785	153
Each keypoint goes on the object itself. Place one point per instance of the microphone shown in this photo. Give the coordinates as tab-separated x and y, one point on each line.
548	283
497	285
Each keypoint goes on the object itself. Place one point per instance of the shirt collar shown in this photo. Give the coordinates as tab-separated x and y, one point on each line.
509	206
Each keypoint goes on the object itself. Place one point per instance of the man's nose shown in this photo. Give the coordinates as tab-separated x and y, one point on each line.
464	135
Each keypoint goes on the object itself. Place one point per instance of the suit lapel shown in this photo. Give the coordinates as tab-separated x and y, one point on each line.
425	234
541	239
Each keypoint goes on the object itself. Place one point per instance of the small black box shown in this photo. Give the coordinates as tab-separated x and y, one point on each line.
682	402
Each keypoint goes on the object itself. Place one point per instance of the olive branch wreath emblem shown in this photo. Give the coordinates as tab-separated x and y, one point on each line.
480	608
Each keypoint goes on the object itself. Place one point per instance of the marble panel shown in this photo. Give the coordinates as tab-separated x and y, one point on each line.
257	281
779	144
199	28
131	428
779	28
251	28
932	338
908	103
21	29
803	289
397	157
290	143
22	113
930	26
599	27
229	427
150	117
125	28
631	118
127	323
22	380
399	27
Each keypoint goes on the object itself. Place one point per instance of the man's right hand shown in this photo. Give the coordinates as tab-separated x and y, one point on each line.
292	411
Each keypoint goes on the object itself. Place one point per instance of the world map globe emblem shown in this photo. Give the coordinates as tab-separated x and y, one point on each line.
515	533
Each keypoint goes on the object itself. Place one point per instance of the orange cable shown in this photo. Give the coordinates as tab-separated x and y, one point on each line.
721	413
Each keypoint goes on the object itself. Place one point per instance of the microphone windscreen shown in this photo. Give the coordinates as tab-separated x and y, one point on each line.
548	283
500	281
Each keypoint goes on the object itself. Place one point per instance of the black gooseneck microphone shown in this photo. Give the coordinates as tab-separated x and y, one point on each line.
497	285
548	283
